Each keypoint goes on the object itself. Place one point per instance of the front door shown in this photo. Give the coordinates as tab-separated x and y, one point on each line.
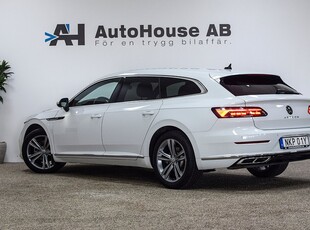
79	132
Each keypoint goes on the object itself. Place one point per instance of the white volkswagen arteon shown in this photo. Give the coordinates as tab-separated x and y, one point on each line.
180	122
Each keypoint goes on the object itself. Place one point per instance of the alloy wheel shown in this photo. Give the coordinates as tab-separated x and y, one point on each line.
171	160
39	152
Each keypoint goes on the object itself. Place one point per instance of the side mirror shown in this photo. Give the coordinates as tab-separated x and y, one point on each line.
64	103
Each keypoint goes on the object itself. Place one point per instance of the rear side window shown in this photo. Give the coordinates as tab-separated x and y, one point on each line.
139	88
173	87
255	84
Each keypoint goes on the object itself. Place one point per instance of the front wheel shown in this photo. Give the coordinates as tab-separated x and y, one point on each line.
174	161
268	170
37	155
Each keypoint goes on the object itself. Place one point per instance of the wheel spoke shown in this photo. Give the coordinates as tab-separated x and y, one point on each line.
37	157
165	173
34	155
181	158
163	154
44	162
171	146
180	154
34	143
177	171
47	163
163	159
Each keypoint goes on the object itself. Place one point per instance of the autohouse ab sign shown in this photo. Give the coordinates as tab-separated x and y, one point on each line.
142	35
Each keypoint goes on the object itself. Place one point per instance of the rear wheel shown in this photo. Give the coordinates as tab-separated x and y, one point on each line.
174	161
268	170
37	155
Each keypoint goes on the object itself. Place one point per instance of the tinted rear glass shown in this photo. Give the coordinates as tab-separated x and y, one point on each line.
254	84
139	88
174	87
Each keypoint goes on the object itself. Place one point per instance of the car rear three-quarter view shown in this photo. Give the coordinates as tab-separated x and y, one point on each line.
180	122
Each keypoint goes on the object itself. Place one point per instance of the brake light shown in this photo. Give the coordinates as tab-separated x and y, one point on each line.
309	109
238	112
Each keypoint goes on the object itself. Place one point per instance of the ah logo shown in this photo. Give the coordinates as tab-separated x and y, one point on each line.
62	32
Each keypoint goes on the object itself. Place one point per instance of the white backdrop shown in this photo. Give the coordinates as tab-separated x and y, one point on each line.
266	36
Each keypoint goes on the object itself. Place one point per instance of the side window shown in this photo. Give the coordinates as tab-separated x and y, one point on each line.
139	88
173	87
98	93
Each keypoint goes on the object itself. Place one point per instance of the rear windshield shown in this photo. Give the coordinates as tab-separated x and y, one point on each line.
254	84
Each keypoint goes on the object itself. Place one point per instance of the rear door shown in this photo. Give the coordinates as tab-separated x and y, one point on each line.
126	122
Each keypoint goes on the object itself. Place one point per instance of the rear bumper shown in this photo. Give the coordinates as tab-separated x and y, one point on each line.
246	146
269	159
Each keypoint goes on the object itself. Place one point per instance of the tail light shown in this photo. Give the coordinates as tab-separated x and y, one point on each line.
238	112
309	109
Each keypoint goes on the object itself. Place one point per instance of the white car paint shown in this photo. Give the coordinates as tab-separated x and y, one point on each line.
121	133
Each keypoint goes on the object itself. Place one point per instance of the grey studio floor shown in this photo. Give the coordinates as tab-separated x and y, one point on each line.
105	197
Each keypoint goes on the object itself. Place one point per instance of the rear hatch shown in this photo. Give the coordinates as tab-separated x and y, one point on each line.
284	112
286	108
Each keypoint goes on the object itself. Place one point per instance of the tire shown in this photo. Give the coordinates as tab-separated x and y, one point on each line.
268	171
174	161
37	153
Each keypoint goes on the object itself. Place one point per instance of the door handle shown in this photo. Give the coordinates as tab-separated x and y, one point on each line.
148	113
96	116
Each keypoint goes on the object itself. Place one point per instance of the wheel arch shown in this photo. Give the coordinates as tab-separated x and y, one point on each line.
34	129
31	126
166	127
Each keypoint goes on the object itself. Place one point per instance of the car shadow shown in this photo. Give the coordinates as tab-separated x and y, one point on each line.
116	174
227	180
240	182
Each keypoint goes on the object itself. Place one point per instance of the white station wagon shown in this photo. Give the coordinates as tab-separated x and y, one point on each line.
180	122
